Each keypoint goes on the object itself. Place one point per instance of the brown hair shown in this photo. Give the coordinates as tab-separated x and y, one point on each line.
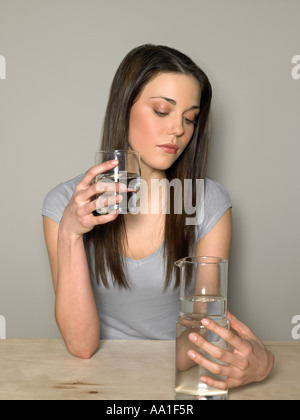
138	67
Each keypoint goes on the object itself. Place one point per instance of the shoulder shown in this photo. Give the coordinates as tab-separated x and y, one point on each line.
58	197
216	201
214	193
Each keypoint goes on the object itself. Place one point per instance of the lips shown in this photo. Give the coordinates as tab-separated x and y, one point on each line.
169	148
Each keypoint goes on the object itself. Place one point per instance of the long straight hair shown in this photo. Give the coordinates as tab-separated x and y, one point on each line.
107	241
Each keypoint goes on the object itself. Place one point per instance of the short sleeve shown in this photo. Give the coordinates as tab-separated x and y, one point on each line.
57	199
216	202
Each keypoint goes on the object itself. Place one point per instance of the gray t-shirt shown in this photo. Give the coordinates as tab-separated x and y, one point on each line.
146	310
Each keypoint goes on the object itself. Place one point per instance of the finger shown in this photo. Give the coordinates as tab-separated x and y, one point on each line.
106	185
106	188
89	221
94	171
106	218
85	195
239	327
213	367
227	335
100	203
227	384
232	358
223	385
105	205
216	352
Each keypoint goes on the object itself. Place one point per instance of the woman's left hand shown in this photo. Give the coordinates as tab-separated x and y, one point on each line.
249	360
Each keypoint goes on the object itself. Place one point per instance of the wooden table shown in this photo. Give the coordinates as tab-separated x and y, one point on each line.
122	370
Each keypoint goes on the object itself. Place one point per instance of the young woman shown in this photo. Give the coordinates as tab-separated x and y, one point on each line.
113	275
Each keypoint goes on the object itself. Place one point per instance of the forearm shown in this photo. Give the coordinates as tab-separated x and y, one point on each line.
75	307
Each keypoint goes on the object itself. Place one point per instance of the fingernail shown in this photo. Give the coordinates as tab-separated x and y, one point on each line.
205	321
193	337
114	162
191	354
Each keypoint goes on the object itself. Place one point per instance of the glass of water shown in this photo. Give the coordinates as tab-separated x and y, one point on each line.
127	173
203	294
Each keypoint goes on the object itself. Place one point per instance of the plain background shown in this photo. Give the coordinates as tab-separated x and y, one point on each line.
61	56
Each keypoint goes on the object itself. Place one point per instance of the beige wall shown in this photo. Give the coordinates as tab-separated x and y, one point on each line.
60	59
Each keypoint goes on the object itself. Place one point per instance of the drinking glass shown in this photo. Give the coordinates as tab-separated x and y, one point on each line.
127	172
203	294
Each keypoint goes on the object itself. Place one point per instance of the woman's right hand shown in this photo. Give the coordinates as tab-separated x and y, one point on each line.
78	217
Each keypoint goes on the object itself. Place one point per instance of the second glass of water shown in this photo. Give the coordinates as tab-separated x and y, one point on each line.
203	294
127	172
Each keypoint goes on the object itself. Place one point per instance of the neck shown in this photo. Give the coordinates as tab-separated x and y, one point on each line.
148	173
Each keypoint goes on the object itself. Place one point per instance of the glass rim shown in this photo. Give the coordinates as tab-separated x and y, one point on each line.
118	151
201	260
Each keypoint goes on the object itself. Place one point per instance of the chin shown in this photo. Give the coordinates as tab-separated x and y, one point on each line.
160	164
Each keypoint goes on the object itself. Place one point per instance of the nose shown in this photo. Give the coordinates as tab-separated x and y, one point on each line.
176	126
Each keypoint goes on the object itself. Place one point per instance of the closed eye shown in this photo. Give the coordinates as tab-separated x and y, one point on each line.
161	114
189	122
185	119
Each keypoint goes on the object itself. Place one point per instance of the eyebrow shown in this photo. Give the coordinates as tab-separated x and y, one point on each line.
173	102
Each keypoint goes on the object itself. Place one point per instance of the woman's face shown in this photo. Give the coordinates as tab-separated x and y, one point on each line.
162	120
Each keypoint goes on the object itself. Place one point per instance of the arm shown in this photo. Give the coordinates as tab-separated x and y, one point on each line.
215	243
75	307
249	359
